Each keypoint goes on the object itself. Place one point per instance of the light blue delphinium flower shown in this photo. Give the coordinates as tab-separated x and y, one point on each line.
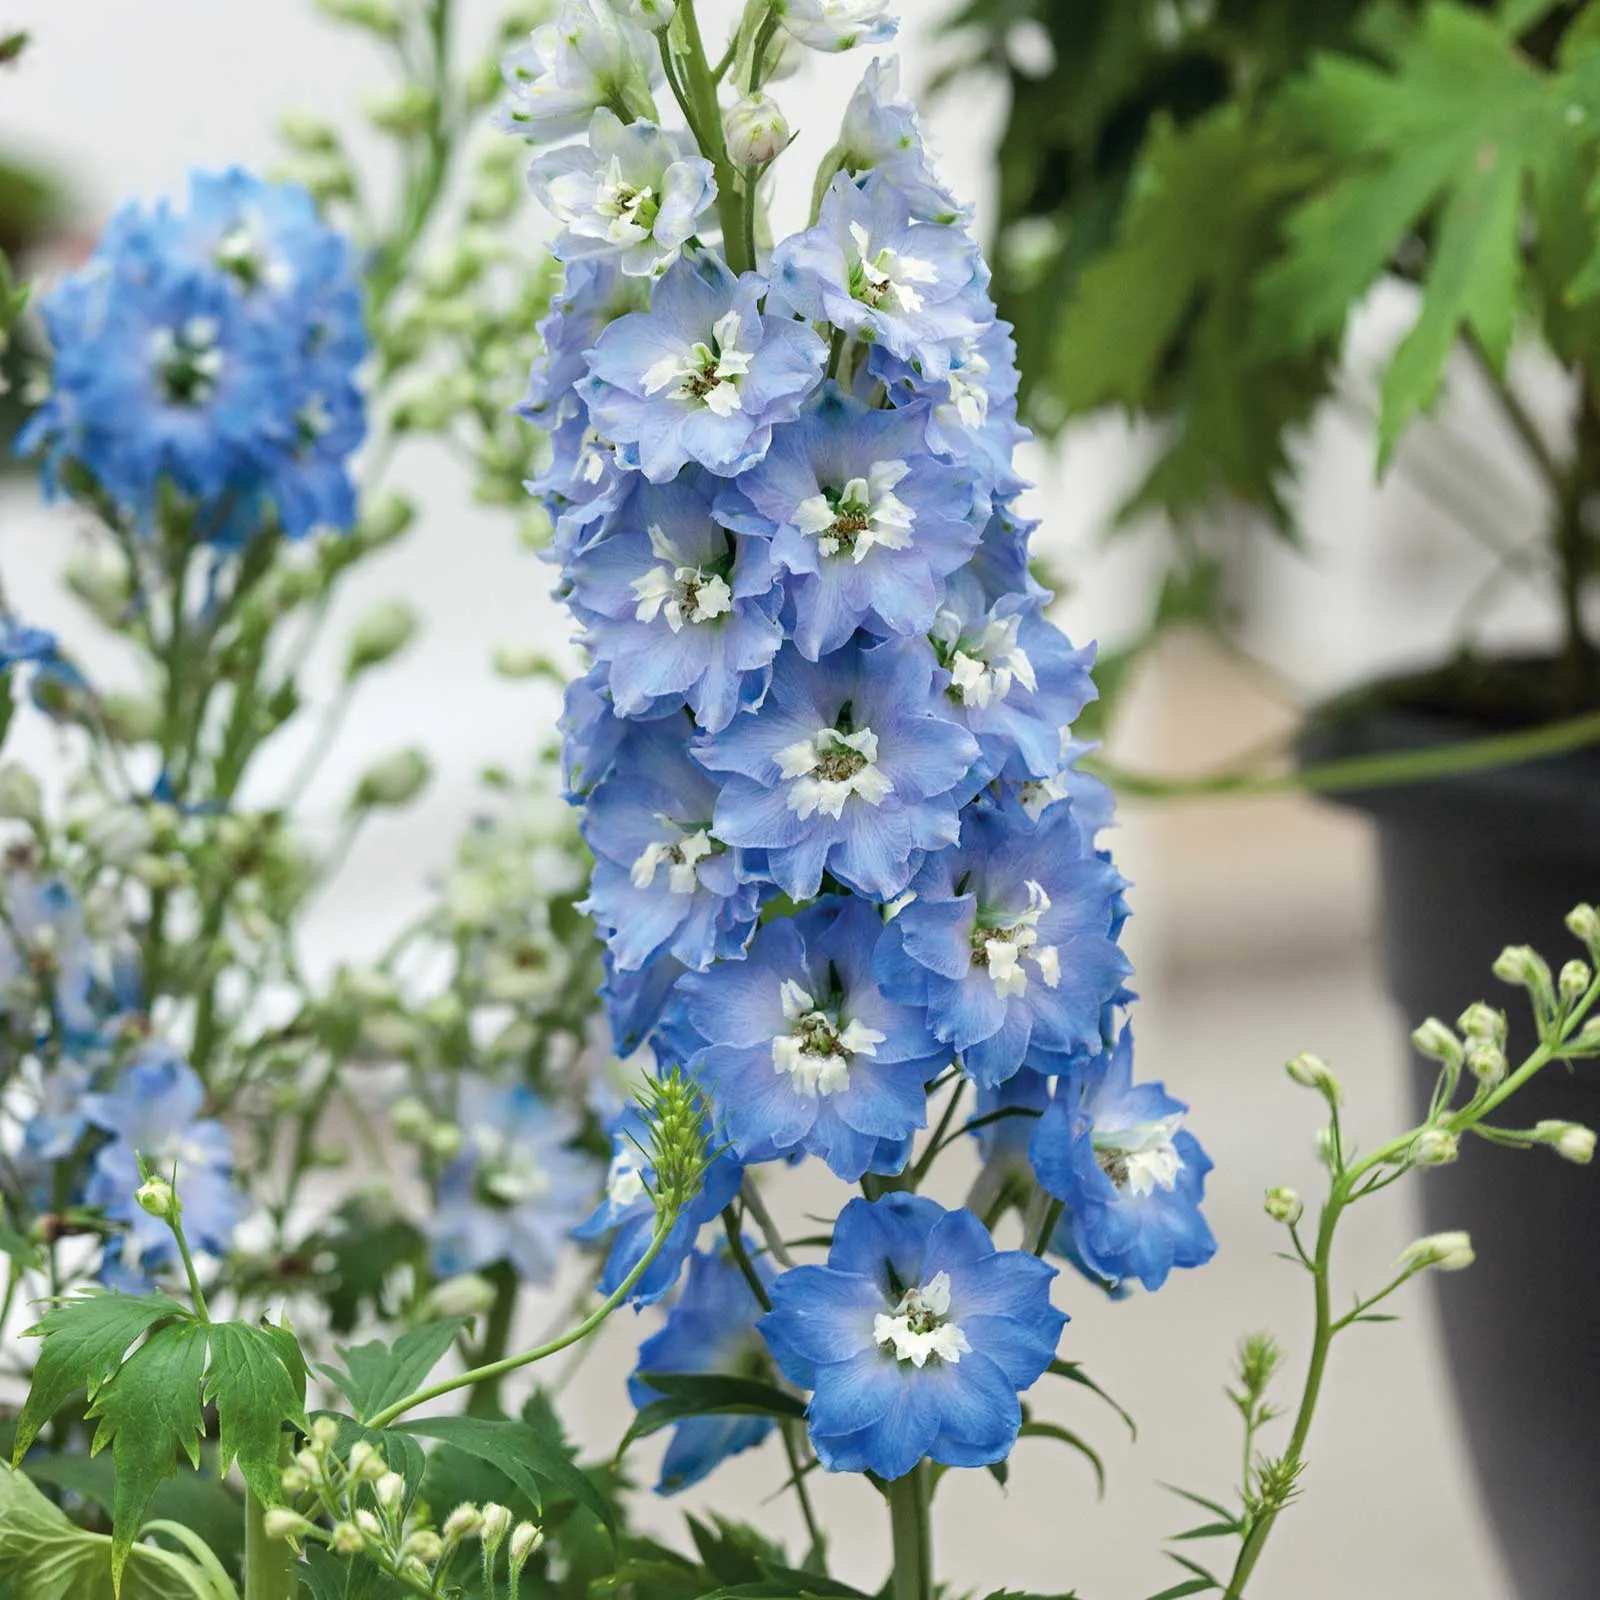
56	1120
626	1213
864	519
1012	677
516	1190
803	1052
630	193
702	376
47	959
871	269
882	133
851	767
711	1329
215	350
970	400
661	882
153	1111
1131	1176
1011	941
916	1338
590	56
679	609
837	24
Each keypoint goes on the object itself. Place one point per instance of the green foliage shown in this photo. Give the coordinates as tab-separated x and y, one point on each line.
530	1455
149	1367
709	1395
1162	321
44	1556
376	1375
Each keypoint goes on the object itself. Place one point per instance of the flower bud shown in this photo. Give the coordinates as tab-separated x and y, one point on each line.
379	636
1574	981
1583	922
394	781
1284	1205
310	1463
158	1199
424	1545
652	14
525	1539
1522	965
469	1295
386	519
465	1522
1449	1252
1479	1021
1434	1040
369	1525
324	1432
1487	1063
410	1118
347	1539
295	1480
1434	1147
446	1141
756	130
496	1525
366	1463
390	1490
282	1523
1312	1072
20	796
1570	1140
306	134
513	661
407	110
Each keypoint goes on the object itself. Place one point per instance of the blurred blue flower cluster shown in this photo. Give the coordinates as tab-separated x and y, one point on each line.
824	747
206	359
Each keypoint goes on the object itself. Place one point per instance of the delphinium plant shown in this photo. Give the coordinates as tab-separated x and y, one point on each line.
852	899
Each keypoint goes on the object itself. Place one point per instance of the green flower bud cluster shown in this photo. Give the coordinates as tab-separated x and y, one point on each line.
679	1143
359	1505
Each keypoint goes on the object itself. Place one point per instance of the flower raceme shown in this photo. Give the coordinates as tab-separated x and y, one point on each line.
824	747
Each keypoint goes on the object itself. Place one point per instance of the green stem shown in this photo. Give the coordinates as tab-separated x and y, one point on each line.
268	1563
485	1398
769	26
912	1578
1367	772
498	1369
700	88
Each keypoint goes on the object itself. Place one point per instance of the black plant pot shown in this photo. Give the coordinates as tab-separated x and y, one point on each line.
1470	865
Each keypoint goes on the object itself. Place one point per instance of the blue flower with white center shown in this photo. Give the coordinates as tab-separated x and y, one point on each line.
680	610
661	881
851	767
802	1050
711	1329
970	398
587	58
516	1190
882	133
1131	1176
837	24
702	376
631	194
864	519
47	962
153	1111
1093	803
1011	941
1013	678
216	351
594	294
871	269
916	1338
627	1213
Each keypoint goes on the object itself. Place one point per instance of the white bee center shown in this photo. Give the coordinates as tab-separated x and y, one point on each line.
866	512
816	1052
825	770
917	1329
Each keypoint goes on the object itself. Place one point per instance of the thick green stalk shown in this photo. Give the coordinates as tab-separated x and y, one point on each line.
701	91
912	1578
268	1563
